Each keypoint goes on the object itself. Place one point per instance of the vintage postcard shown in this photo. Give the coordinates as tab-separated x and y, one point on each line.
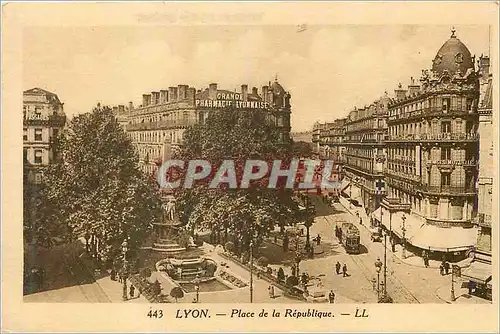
208	166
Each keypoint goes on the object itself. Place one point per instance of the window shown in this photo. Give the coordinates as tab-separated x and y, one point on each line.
445	153
38	112
468	127
445	179
469	104
55	133
25	155
445	127
38	156
25	134
446	104
38	134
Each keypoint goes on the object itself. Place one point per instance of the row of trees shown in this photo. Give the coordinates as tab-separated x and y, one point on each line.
94	185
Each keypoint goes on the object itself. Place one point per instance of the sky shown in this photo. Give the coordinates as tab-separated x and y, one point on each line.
327	69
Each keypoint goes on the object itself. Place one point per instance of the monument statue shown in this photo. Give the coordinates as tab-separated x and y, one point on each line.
169	210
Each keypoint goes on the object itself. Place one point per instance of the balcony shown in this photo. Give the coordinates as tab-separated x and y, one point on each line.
456	190
403	176
426	112
160	125
452	163
427	137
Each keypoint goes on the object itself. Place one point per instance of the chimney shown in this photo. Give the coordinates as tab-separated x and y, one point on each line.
484	67
155	97
400	92
264	93
172	93
413	88
212	91
131	106
191	92
244	92
146	100
255	91
182	92
163	96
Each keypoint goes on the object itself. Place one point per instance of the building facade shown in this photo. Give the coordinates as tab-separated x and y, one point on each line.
157	126
487	156
365	158
419	151
43	119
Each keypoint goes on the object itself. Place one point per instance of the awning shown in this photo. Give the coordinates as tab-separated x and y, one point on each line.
345	185
394	222
479	272
355	193
445	238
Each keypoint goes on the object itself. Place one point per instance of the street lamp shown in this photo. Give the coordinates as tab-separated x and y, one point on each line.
298	255
124	250
197	287
308	223
404	238
378	268
251	271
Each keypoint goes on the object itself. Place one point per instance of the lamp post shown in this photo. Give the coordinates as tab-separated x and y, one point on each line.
404	236
197	287
298	256
378	268
308	223
124	250
385	265
452	285
251	271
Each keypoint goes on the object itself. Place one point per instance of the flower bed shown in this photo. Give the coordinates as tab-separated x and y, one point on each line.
146	290
224	275
262	273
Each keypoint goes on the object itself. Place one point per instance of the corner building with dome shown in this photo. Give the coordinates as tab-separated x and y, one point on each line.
432	155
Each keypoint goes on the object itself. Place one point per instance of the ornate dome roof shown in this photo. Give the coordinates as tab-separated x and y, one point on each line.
453	55
277	88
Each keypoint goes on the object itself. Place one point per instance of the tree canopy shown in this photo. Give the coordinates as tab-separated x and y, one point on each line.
96	184
240	136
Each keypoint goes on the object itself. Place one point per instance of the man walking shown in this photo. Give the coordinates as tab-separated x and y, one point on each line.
337	267
344	270
426	258
331	297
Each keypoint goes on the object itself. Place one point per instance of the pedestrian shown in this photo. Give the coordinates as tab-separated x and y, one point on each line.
318	239
140	292
132	291
344	270
360	221
471	287
337	267
393	245
447	267
331	297
425	258
441	269
271	292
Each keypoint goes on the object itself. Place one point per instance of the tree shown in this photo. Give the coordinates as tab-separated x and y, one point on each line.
250	213
97	186
176	293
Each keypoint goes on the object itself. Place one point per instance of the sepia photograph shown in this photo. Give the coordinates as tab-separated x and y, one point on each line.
196	159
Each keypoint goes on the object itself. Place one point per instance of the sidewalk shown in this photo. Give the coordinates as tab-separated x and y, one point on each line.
411	258
461	295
